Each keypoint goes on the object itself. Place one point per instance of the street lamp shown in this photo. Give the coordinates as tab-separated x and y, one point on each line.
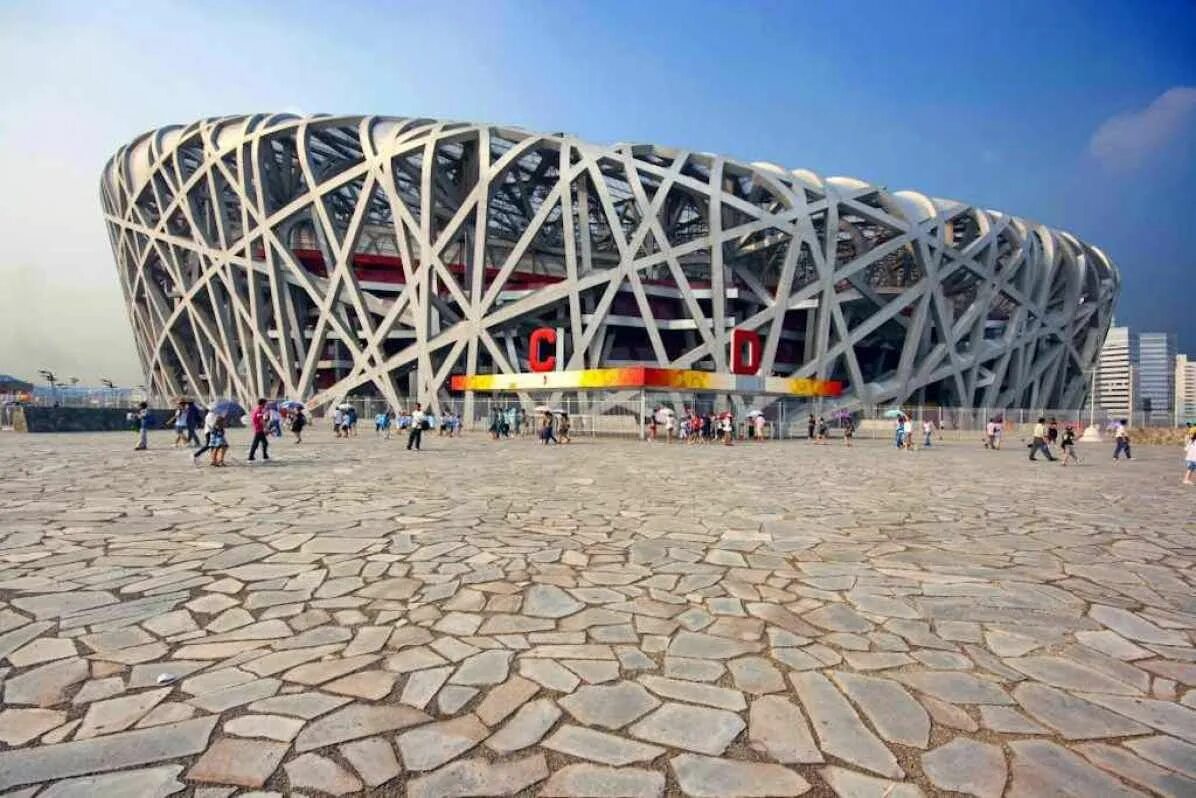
111	386
53	380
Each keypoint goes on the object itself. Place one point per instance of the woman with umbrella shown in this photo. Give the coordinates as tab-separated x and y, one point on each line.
298	420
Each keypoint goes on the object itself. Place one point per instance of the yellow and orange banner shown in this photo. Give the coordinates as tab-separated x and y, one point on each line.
647	377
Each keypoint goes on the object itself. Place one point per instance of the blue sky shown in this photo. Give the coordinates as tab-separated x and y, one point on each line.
1081	115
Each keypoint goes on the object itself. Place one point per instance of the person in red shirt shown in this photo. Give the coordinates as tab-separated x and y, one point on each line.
260	418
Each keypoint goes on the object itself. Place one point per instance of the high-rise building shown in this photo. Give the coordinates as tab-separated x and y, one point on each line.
1156	375
1185	389
1117	372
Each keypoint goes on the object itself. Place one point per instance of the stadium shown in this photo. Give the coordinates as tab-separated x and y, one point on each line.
330	257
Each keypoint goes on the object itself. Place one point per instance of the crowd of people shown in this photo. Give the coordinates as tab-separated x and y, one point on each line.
553	426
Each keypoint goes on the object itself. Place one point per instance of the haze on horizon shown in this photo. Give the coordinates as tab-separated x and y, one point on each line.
1093	131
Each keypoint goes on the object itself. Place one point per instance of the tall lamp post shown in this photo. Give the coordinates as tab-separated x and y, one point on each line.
1091	432
111	386
53	380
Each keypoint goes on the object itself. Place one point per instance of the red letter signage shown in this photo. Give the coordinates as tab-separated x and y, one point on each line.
745	351
545	335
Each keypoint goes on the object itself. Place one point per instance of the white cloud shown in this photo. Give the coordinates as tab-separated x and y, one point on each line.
1126	140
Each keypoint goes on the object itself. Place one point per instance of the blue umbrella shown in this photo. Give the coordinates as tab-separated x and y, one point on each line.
291	404
227	408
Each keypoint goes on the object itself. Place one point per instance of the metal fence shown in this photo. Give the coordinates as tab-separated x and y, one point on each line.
625	413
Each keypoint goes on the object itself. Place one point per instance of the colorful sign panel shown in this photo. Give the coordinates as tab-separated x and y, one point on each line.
647	377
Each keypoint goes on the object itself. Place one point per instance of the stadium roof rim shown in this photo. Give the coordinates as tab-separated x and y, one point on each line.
232	130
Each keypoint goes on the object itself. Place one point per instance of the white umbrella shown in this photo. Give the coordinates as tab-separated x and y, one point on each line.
751	413
668	411
542	409
560	411
345	406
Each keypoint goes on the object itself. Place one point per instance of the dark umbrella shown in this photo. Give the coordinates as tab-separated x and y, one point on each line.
227	408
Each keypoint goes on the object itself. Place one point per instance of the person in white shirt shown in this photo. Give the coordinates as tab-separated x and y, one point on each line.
1190	458
927	431
1122	438
209	424
1038	444
416	432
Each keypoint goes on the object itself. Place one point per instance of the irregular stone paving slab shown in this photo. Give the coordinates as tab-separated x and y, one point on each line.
778	729
45	685
694	693
1163	715
354	721
895	715
840	731
118	714
1168	752
478	777
756	675
489	667
1041	768
302	705
1134	627
609	749
850	784
1072	716
1125	764
1060	672
156	782
703	646
19	726
430	746
312	771
271	727
966	766
504	699
114	752
955	688
611	707
245	763
529	724
595	781
549	674
709	777
373	758
422	685
549	601
700	729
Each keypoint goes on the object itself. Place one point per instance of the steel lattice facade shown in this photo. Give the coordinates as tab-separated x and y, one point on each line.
321	257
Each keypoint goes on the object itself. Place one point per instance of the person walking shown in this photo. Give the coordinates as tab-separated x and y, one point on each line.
1069	445
260	420
179	420
1038	444
1052	432
297	425
728	427
565	426
1190	457
899	432
927	431
193	421
209	424
823	432
907	433
546	433
810	423
275	421
416	433
142	417
218	442
848	430
1122	438
760	428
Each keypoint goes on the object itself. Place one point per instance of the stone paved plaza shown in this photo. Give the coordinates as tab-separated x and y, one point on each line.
605	618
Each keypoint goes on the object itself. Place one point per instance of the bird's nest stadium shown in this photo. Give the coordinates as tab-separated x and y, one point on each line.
326	257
